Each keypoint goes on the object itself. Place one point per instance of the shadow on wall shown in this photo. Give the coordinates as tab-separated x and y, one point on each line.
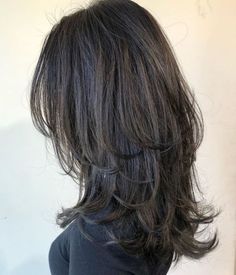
3	263
31	266
28	201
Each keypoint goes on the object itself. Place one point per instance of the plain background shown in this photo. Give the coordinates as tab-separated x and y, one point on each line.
203	35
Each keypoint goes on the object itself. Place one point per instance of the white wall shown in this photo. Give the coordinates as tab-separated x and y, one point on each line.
203	34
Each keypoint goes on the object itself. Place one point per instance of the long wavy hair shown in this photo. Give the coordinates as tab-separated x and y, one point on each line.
109	93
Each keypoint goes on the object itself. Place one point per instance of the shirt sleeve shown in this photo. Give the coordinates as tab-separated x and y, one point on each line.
58	256
90	257
71	253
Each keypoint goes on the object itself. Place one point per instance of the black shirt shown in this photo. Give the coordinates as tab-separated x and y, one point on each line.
72	254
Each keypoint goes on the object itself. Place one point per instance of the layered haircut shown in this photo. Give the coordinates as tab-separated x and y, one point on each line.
109	93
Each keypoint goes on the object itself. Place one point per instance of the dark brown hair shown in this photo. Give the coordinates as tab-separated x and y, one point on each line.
108	92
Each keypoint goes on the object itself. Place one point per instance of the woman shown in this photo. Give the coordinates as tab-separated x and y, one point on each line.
108	92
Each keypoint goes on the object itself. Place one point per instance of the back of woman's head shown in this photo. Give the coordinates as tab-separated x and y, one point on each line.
108	92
